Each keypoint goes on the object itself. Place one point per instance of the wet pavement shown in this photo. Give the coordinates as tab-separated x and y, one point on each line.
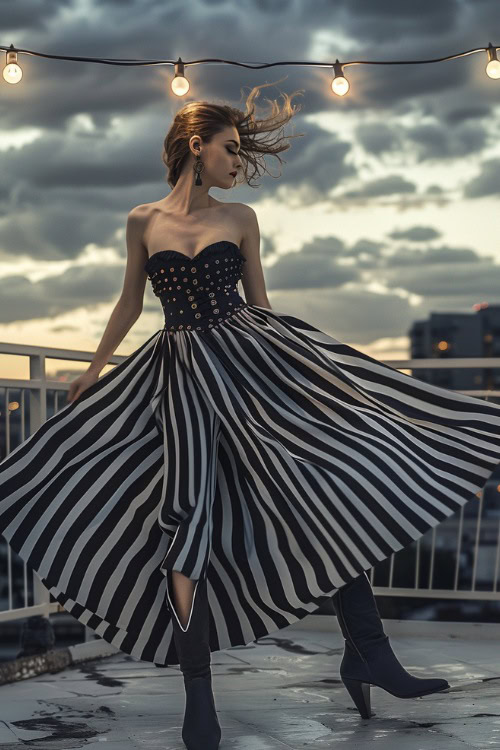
281	692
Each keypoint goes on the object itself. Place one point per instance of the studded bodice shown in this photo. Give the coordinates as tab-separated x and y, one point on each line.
197	293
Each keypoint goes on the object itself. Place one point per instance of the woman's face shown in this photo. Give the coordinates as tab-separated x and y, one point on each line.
220	158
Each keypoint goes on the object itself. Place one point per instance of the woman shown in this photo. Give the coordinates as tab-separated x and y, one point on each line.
241	467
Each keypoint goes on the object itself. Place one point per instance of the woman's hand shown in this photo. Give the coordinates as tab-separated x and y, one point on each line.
80	384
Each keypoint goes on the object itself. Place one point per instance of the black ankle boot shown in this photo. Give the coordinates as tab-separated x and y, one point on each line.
200	729
368	656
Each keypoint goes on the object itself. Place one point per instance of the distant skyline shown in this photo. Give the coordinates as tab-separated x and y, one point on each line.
386	209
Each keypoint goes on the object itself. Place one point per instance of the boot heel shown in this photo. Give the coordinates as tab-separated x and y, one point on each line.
360	693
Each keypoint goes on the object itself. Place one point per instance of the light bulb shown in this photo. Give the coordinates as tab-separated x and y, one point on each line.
12	72
180	84
493	69
493	66
340	84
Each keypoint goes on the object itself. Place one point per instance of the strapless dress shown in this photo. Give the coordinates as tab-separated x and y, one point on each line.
241	444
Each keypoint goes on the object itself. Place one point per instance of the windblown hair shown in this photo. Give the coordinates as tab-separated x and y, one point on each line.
206	119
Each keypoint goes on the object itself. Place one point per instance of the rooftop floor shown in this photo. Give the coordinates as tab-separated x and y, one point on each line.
279	693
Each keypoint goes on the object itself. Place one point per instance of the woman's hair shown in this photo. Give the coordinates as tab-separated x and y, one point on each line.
206	119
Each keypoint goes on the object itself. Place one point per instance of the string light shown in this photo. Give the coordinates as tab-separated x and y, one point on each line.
180	84
12	72
340	84
493	67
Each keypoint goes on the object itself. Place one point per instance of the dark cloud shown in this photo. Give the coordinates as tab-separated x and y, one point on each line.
320	160
57	227
390	185
438	141
80	161
364	250
416	234
61	193
434	255
434	190
321	263
384	21
378	137
274	6
354	316
445	140
31	14
362	317
80	286
267	246
486	183
127	3
467	112
314	267
468	280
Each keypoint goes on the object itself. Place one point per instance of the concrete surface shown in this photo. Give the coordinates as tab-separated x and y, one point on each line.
279	693
53	660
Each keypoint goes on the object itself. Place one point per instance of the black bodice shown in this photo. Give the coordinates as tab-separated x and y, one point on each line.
200	292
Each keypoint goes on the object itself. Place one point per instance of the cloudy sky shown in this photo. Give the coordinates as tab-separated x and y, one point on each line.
387	208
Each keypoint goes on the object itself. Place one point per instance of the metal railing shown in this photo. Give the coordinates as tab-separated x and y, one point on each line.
468	556
35	389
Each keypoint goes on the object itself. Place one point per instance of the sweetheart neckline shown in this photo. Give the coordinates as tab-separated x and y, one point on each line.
212	244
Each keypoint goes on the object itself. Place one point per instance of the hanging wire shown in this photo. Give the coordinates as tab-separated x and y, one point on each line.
252	65
13	73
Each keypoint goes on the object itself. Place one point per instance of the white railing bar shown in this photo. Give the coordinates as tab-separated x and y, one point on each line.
9	575
459	549
438	363
53	352
417	564
431	566
7	615
425	593
476	544
497	559
25	581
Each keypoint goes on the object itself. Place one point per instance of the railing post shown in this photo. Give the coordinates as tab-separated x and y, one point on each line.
41	595
38	397
38	415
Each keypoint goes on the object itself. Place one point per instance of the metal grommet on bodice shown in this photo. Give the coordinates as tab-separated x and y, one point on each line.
198	307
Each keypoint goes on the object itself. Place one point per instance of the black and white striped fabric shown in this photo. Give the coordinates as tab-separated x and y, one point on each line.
263	454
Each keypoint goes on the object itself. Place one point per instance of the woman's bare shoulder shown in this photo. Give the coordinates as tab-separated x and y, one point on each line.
143	209
240	208
229	206
244	211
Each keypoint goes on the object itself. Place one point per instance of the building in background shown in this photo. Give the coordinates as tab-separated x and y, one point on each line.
448	335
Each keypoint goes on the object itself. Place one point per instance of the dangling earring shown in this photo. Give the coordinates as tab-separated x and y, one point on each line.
198	168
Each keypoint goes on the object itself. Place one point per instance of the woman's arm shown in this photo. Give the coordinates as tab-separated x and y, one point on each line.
129	307
252	277
119	324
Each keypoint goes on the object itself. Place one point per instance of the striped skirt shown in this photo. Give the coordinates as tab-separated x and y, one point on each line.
263	454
